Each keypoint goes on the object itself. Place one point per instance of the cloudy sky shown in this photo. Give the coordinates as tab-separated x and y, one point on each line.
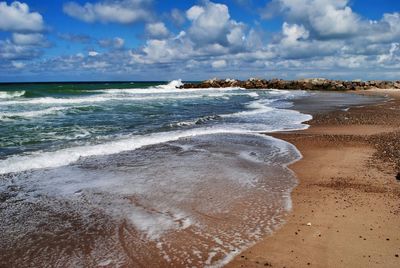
56	40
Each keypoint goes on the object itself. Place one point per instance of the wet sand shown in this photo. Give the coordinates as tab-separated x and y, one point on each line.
346	209
193	202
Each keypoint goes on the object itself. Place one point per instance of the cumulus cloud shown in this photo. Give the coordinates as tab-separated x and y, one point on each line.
28	39
334	19
12	51
157	30
211	33
119	11
209	23
385	30
17	17
392	56
317	38
325	18
292	33
219	64
212	36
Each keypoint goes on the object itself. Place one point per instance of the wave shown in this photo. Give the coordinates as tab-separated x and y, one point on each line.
171	87
67	156
11	94
155	90
29	114
168	91
51	100
172	84
199	121
113	97
256	107
240	122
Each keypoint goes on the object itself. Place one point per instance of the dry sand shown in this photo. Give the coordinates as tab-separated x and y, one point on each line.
346	209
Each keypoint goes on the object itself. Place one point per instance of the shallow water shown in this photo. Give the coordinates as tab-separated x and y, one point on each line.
142	176
195	201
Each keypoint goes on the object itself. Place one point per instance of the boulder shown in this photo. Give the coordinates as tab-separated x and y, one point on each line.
304	84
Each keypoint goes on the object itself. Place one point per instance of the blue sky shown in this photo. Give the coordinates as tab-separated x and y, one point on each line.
51	40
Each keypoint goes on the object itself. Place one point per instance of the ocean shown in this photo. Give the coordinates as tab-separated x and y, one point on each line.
144	173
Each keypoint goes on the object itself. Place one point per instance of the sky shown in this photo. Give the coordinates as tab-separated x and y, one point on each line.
154	40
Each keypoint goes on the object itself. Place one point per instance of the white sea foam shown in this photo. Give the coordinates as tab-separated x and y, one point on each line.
156	90
155	224
116	97
36	113
172	84
67	156
257	107
11	94
171	87
197	121
161	92
59	101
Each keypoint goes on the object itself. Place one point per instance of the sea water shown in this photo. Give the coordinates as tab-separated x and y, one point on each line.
141	174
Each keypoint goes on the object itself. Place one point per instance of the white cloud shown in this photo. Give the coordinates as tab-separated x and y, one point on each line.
17	17
385	30
157	30
317	38
292	33
392	56
335	21
18	64
120	11
194	12
219	64
163	51
93	53
295	43
326	18
12	51
209	23
212	27
28	39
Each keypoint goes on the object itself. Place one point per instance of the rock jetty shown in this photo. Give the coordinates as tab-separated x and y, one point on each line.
304	84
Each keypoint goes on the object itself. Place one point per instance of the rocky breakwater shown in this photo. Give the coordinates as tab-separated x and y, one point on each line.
304	84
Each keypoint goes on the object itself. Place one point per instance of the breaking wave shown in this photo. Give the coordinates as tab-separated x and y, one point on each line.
11	94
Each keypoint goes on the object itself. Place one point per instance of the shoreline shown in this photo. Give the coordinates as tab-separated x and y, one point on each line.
346	205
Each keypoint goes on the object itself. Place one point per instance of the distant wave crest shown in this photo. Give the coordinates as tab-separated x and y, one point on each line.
11	94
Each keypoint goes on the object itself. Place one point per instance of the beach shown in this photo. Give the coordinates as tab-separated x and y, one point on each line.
346	206
141	174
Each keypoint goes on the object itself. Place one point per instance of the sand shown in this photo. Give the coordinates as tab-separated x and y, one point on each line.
346	208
